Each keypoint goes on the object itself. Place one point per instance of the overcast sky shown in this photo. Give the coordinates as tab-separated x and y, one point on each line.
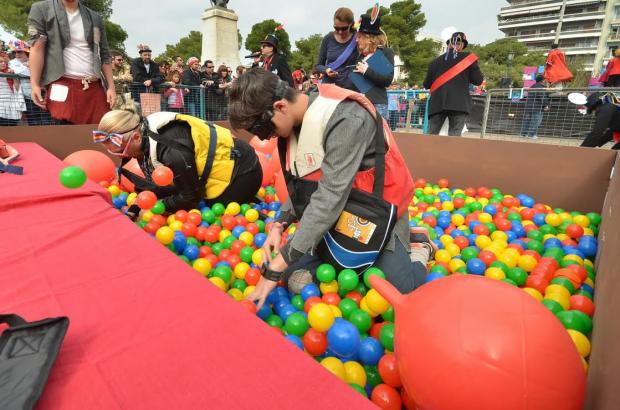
160	23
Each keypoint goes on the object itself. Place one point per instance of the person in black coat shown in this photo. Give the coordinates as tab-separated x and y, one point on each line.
273	61
607	123
192	76
146	72
451	100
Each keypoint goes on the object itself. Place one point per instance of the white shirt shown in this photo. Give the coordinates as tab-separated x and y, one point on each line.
20	68
78	56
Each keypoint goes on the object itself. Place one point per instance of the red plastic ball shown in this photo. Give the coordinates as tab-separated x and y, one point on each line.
237	246
537	282
228	222
213	260
375	330
194	218
189	229
470	191
419	183
162	176
249	305
458	202
430	221
355	296
224	253
582	304
443	183
461	241
201	231
315	342
158	219
233	260
503	224
146	200
386	397
240	220
311	301
180	216
533	254
331	298
574	231
152	227
481	230
211	235
487	257
204	251
252	276
252	228
579	270
388	370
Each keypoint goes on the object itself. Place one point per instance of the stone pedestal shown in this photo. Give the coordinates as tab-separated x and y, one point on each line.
220	42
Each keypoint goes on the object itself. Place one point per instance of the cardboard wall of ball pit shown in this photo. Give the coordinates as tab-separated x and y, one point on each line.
604	374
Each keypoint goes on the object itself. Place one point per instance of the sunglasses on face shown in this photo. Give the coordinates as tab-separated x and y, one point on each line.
263	128
342	28
210	66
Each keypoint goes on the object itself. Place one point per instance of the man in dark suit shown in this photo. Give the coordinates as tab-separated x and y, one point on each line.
273	61
448	79
145	71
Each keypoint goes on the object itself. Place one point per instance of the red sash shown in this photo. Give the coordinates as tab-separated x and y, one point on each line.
454	71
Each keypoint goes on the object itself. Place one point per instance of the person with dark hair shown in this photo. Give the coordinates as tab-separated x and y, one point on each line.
145	71
536	103
606	108
338	53
448	79
556	70
329	144
221	94
122	80
193	77
611	76
256	58
273	61
211	81
228	171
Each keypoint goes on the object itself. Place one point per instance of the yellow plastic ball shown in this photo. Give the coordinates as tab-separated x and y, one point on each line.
526	223
428	190
335	366
176	225
443	255
512	252
447	206
336	310
446	239
582	221
453	249
533	293
482	241
588	262
365	308
241	269
248	291
233	209
355	373
562	236
330	287
458	219
553	219
271	214
224	233
257	257
581	342
131	198
501	244
165	235
261	193
508	259
195	211
114	190
170	219
376	302
483	201
247	238
499	236
485	218
202	265
469	200
236	294
574	258
455	264
219	283
589	282
558	289
527	262
588	232
321	317
147	216
251	215
560	298
495	273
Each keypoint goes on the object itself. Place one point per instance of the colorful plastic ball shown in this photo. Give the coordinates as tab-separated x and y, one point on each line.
553	306
310	290
581	343
495	273
162	176
202	265
295	340
388	370
315	342
335	366
159	207
328	287
582	303
321	317
220	284
355	373
475	266
370	351
97	166
517	275
386	397
165	235
370	272
347	306
361	320
325	273
72	177
343	337
387	337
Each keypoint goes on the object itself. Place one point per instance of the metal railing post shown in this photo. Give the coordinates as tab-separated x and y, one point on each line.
485	116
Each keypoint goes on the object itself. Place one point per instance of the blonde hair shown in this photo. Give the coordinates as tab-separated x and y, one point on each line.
374	41
124	120
617	52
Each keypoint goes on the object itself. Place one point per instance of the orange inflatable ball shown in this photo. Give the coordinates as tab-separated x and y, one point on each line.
264	146
134	167
162	176
97	165
467	330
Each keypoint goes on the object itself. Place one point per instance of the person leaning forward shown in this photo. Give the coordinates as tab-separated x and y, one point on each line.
327	142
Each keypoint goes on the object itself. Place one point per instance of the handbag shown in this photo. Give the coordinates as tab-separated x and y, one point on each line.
150	103
28	351
366	223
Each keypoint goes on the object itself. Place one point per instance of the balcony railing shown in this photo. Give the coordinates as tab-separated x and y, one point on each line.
554	16
550	34
516	5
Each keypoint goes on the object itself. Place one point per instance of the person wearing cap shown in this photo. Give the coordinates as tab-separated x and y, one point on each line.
273	61
208	163
145	72
607	120
448	79
256	58
338	53
69	57
556	70
611	76
370	41
193	77
327	143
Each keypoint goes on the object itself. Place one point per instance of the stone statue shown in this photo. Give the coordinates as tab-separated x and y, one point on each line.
219	3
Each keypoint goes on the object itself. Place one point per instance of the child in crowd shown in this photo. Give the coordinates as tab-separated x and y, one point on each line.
175	94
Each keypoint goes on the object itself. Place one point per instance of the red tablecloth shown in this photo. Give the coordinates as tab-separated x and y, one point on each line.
146	332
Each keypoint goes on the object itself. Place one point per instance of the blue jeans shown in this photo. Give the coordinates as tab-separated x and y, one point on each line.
405	275
531	122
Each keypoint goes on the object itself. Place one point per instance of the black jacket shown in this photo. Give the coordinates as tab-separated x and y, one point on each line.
191	77
378	93
606	123
536	100
453	95
280	67
138	71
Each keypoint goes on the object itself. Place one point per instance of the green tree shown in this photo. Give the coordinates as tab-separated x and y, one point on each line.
260	30
15	14
186	47
307	53
402	22
495	63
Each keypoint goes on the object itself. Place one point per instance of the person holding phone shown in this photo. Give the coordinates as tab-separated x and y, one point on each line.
338	54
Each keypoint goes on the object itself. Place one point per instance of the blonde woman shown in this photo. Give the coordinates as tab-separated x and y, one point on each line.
370	40
228	172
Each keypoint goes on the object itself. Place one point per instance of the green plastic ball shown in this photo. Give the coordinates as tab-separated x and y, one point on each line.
372	375
348	280
218	209
388	316
361	320
359	389
298	302
372	271
387	337
347	306
325	273
552	305
208	216
296	324
72	177
275	321
246	254
159	208
517	275
239	284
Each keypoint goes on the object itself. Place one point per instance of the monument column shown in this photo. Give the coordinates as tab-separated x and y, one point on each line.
220	42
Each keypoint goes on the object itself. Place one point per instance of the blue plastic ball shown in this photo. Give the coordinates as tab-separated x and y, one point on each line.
370	351
434	275
179	242
490	209
588	246
191	252
296	341
259	239
286	311
443	222
343	337
539	219
475	266
238	230
264	312
310	290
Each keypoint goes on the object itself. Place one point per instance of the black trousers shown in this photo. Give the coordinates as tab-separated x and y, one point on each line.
456	122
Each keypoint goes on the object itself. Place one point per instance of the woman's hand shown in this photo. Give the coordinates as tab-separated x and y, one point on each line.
361	67
272	243
262	290
331	73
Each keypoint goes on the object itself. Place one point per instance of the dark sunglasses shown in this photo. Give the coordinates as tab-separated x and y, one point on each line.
345	28
263	127
210	66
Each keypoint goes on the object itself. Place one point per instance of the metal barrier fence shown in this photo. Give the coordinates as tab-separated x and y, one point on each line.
16	105
543	112
407	109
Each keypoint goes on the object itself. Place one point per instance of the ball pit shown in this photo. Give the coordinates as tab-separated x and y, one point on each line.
345	324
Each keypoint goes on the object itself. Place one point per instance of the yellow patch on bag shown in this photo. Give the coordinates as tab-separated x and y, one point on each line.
355	227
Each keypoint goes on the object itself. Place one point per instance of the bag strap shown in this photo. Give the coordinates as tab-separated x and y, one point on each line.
455	70
344	56
380	151
12	320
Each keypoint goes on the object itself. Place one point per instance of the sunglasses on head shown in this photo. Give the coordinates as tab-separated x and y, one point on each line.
263	127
